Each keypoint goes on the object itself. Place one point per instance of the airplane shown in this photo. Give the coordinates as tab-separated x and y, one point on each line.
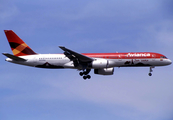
102	63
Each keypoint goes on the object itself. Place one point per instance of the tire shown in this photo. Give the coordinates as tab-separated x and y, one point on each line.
81	73
88	76
84	77
150	74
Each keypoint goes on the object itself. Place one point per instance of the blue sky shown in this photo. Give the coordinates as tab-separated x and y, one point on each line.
87	26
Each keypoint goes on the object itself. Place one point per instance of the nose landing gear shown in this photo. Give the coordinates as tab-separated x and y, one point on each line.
150	74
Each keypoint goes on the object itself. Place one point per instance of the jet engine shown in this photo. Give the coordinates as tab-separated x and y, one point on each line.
104	71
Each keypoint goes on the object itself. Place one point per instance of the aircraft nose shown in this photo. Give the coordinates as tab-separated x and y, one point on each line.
169	61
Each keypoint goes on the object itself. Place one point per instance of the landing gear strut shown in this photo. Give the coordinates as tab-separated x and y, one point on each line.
85	74
150	74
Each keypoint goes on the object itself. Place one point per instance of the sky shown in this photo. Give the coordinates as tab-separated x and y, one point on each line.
92	26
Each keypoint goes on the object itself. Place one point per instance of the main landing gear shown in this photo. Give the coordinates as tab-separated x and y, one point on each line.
150	74
85	74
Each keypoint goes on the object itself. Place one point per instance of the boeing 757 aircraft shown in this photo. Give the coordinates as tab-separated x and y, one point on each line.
102	63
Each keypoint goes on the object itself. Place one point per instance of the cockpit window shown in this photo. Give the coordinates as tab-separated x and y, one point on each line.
163	57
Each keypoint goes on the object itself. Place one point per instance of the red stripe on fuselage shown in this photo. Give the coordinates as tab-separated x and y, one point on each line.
131	55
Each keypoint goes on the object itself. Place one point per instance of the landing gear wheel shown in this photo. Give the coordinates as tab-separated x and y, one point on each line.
81	73
84	77
88	76
85	74
150	74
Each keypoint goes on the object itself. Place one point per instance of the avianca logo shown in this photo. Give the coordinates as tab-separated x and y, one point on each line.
138	54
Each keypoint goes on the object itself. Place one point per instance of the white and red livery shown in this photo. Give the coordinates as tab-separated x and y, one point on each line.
102	63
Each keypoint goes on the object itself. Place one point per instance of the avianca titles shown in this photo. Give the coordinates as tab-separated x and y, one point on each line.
102	63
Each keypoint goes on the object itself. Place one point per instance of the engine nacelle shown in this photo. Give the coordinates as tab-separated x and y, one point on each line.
99	63
104	71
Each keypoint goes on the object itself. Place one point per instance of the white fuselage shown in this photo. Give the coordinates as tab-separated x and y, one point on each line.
61	61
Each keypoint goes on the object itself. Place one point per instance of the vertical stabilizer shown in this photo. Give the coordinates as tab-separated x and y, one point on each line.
18	46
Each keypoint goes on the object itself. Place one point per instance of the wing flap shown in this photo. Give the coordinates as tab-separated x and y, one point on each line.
14	57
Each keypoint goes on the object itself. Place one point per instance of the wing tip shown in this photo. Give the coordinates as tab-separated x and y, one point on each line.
4	53
62	47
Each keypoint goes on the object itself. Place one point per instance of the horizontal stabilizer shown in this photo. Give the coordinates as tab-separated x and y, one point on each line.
14	57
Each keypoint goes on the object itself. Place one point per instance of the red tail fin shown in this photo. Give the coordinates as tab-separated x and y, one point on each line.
18	46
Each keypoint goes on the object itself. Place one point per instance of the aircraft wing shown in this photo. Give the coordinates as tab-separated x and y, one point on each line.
14	57
79	56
